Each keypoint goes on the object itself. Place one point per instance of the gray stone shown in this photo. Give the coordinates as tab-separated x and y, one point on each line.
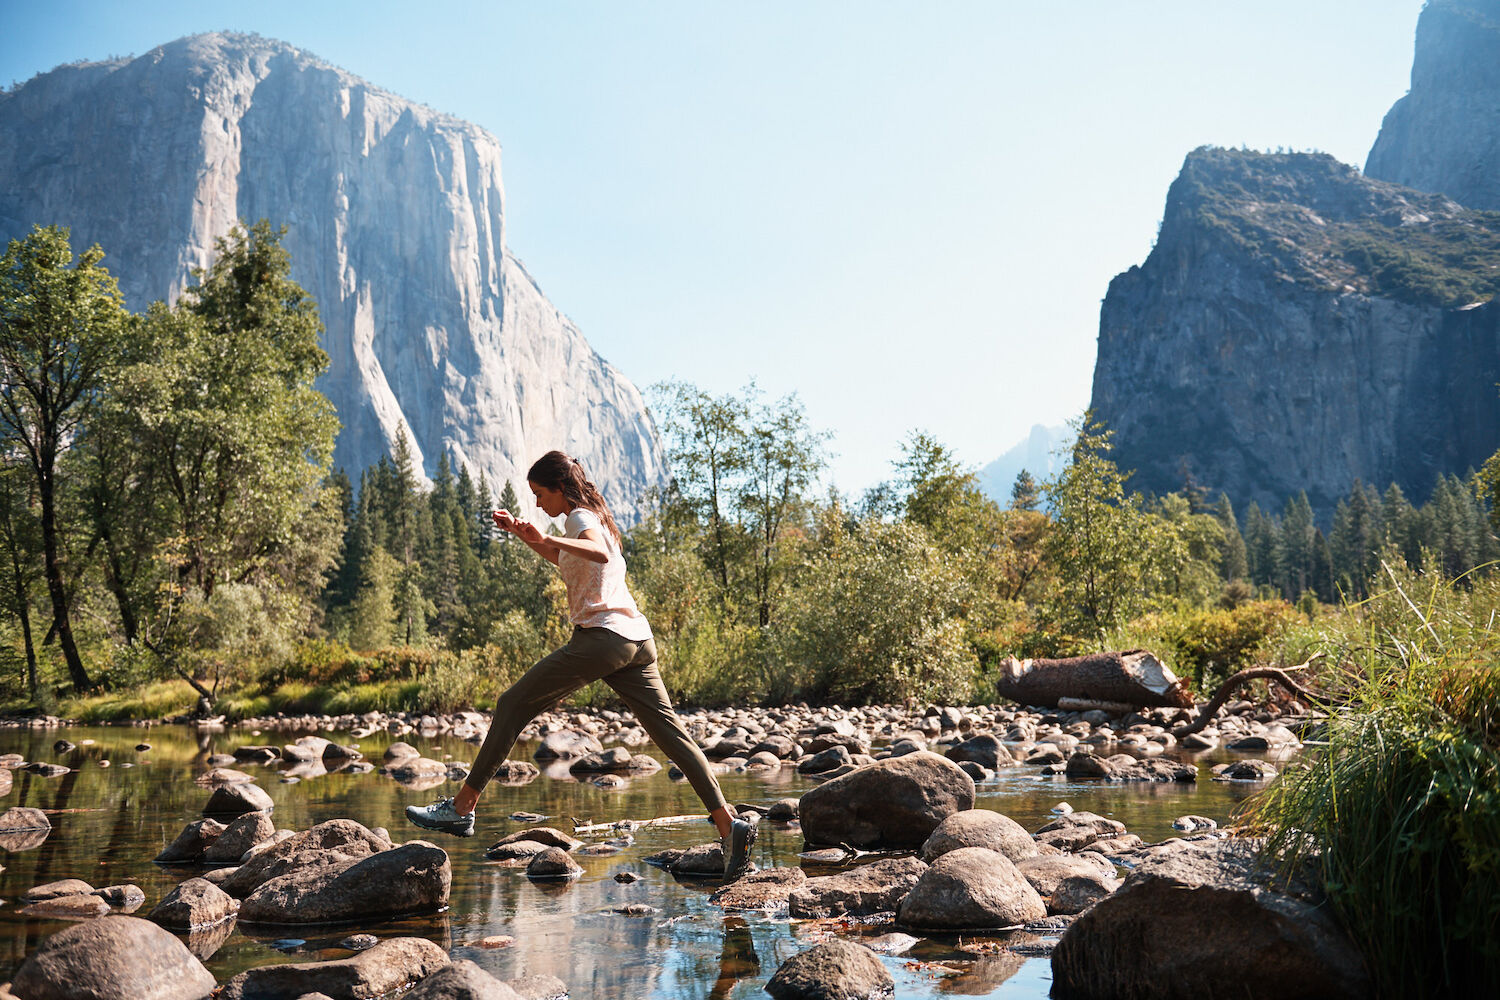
538	986
553	863
112	958
834	970
385	968
1245	938
329	843
986	750
762	890
566	744
545	835
461	980
126	897
877	887
78	906
979	828
23	828
1077	893
234	800
191	844
412	878
894	803
1046	872
62	887
969	889
245	832
194	904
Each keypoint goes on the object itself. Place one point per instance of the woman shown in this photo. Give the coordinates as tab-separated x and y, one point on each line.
611	642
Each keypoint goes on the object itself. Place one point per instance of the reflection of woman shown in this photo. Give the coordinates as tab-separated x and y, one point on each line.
611	642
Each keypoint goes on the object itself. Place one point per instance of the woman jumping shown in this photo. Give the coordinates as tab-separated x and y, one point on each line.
611	642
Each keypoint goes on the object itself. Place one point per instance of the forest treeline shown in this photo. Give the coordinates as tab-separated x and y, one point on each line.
168	510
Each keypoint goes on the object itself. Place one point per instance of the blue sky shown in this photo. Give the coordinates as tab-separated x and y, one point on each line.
907	213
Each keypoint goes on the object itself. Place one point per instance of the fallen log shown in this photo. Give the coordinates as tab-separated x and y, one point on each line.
1280	675
1134	678
627	825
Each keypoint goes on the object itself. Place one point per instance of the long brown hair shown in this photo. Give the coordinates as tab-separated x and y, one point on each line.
559	471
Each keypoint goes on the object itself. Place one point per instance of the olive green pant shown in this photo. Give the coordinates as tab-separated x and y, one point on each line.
626	665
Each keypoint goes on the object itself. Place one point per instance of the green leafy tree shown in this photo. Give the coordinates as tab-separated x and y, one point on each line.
878	618
1100	545
60	326
781	459
708	455
22	550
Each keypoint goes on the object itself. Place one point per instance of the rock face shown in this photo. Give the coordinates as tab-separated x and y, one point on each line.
112	958
1197	923
1444	135
1300	326
395	225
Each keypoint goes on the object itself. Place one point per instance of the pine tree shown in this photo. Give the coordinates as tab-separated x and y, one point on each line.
1235	559
1025	492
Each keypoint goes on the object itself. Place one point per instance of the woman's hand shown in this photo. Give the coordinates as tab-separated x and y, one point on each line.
525	531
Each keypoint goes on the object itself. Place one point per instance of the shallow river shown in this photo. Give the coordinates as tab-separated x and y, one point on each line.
110	821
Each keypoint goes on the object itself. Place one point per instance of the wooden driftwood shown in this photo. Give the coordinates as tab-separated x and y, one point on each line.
1132	679
627	825
1280	675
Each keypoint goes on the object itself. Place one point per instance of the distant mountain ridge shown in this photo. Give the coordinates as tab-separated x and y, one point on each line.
1037	454
1300	326
395	223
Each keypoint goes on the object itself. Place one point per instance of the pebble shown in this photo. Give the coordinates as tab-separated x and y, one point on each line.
625	878
497	941
359	942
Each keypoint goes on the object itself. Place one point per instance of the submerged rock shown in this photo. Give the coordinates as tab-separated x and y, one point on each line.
760	890
112	958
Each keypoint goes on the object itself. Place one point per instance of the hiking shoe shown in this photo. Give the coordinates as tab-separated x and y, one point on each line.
441	816
737	849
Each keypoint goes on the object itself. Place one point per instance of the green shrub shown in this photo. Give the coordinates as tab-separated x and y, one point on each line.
1210	644
878	618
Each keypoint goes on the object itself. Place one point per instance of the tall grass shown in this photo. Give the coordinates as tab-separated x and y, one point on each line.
1400	812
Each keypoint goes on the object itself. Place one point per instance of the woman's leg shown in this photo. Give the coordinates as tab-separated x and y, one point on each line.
584	659
639	685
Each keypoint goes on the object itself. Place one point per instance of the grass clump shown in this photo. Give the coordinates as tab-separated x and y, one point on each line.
1400	812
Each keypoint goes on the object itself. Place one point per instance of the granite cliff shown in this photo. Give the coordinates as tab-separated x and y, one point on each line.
395	223
1300	326
1444	135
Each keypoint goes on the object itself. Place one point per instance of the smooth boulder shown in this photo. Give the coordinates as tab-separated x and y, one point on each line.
894	803
461	980
878	887
971	888
979	828
245	832
194	904
112	958
834	970
412	878
1201	922
233	800
388	966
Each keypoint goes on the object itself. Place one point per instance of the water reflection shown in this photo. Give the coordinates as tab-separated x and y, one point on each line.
109	822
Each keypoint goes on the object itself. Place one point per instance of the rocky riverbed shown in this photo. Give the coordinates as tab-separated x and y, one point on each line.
953	847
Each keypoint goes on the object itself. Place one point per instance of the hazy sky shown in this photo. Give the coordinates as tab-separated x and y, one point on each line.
907	213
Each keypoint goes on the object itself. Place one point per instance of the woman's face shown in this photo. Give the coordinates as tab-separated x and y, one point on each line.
552	502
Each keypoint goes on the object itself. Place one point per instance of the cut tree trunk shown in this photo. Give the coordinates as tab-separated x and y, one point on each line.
1134	678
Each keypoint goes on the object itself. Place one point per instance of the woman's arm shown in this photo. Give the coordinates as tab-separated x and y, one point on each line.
590	545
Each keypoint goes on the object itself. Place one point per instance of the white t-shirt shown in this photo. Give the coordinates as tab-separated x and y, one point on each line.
597	596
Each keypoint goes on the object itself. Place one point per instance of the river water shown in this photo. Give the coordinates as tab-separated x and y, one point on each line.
110	821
